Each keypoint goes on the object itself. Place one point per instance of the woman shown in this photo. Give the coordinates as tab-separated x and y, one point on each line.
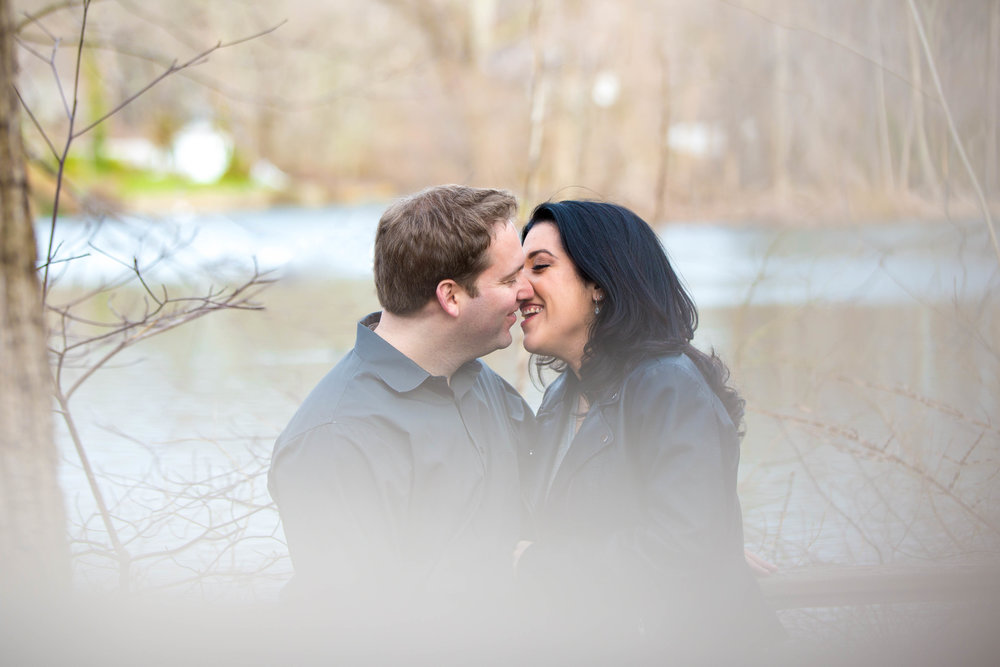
631	481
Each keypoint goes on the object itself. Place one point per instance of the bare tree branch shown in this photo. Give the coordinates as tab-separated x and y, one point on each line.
173	68
51	9
874	452
34	121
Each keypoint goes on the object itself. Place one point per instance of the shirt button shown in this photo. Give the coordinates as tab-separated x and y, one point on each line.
614	396
605	438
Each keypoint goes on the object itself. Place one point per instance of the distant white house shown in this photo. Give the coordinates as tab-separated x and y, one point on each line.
697	139
199	152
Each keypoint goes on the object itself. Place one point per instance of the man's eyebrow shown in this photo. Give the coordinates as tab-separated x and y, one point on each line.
513	273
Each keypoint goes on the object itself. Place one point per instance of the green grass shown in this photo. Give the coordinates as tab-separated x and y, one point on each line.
121	180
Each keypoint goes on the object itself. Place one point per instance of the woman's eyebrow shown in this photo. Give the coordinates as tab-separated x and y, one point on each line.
532	254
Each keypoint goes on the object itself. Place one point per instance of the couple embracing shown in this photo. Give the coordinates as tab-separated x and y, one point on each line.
427	508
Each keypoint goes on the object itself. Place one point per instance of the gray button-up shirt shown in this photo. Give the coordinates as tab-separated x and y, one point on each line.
390	481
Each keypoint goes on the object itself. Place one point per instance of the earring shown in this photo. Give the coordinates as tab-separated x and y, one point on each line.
597	305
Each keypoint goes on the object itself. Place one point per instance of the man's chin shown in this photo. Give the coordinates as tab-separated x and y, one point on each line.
503	342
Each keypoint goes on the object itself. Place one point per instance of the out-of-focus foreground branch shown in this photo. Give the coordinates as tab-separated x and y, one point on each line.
127	510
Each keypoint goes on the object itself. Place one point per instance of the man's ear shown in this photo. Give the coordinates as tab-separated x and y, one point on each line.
449	296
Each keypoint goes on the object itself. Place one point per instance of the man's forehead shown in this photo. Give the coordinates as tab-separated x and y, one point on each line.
505	252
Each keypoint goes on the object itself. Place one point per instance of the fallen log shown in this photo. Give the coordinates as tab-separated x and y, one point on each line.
839	586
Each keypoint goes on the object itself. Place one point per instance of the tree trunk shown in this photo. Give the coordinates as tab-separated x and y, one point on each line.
886	182
33	551
992	116
907	148
663	156
781	137
930	178
538	100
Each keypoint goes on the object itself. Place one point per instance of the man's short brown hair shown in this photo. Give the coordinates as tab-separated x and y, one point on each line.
438	233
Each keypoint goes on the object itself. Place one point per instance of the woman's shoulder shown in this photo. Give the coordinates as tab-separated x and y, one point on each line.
666	369
674	378
652	375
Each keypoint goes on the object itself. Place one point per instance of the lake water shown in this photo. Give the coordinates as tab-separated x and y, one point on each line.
869	356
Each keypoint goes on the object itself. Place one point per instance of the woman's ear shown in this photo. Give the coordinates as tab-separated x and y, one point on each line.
597	294
449	296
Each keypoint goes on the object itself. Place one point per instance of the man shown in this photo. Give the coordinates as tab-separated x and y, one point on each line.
397	478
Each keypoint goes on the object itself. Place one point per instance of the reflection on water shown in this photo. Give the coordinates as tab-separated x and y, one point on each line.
868	357
723	265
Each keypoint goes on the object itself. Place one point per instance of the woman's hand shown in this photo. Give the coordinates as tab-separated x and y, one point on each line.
758	565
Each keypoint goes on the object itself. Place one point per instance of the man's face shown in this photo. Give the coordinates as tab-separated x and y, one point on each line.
502	286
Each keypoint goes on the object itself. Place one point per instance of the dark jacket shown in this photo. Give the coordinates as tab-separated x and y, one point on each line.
640	536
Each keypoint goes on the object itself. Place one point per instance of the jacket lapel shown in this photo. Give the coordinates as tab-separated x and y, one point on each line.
542	454
595	435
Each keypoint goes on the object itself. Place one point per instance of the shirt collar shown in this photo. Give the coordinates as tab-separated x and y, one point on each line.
465	377
396	369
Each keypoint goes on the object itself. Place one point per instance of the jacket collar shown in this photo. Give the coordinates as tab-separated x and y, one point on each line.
563	386
566	386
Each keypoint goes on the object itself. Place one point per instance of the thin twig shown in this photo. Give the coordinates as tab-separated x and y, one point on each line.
34	121
65	153
939	406
874	452
92	482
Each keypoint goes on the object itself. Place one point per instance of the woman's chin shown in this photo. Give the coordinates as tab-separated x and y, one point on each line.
531	346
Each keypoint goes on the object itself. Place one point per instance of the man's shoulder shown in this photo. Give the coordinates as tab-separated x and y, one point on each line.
339	400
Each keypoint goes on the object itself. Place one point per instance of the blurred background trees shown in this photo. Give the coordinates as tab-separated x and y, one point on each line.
685	109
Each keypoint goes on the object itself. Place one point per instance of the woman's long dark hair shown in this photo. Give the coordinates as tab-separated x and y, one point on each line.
646	311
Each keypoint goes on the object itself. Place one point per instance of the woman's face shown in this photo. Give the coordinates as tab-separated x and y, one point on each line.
557	318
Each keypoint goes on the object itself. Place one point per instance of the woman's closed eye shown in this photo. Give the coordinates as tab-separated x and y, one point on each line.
539	267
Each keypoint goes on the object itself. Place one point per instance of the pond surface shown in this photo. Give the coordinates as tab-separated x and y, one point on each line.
869	356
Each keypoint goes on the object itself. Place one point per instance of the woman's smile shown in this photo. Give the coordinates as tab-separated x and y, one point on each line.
529	310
